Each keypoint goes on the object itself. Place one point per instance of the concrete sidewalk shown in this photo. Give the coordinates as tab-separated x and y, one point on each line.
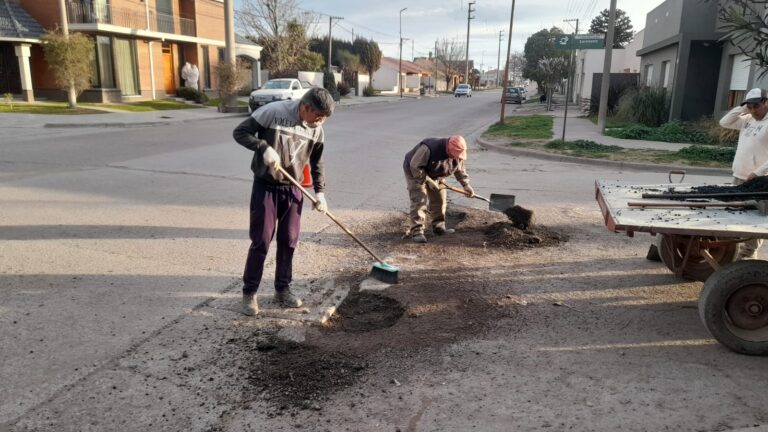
149	118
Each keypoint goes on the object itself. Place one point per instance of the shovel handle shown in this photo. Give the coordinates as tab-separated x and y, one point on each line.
327	213
457	190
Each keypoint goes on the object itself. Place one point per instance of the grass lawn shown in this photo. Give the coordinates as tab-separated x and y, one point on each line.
47	108
706	156
216	101
155	105
527	127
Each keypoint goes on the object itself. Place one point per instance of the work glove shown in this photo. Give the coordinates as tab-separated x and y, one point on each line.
271	158
468	189
431	183
321	204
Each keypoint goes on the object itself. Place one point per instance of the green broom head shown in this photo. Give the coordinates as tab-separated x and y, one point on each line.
385	272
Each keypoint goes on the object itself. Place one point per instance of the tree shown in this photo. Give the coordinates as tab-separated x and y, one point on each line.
516	67
745	23
231	79
450	54
622	34
552	70
541	45
281	28
369	53
71	59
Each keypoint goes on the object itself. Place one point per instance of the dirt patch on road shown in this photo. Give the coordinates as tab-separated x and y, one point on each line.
293	375
362	312
442	299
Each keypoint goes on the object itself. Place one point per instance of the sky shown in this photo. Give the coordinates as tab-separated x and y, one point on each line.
425	21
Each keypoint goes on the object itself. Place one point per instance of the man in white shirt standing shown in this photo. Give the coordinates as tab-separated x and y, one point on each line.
751	159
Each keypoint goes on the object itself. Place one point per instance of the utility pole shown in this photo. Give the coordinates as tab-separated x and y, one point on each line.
498	59
506	65
229	51
71	95
63	18
469	19
604	85
569	86
330	39
434	90
400	65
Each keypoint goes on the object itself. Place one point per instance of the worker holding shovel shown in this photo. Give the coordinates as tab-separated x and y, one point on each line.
425	166
284	137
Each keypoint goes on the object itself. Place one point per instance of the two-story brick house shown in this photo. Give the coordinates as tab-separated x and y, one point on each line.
141	45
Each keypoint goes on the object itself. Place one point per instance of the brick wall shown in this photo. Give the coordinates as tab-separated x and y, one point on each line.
210	20
46	12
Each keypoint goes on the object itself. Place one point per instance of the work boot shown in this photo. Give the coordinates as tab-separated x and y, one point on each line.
286	298
419	238
250	306
442	230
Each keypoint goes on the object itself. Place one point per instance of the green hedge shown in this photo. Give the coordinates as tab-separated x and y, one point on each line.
191	94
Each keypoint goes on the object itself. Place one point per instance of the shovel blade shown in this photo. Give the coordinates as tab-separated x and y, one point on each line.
501	202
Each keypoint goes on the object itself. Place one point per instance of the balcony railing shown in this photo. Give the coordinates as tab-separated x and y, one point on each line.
98	12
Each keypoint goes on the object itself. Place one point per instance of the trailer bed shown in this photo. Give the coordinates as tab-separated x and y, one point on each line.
613	196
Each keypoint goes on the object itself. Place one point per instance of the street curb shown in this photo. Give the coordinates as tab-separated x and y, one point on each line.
172	122
601	162
139	124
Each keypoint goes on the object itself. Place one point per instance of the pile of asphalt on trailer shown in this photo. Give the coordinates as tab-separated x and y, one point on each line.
755	189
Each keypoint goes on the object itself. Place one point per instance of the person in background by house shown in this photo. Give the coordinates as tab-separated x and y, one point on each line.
287	134
194	75
185	71
751	159
436	158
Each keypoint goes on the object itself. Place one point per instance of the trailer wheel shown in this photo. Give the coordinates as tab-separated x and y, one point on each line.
733	305
672	250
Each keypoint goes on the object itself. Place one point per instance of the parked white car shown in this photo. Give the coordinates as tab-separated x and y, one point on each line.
276	90
463	90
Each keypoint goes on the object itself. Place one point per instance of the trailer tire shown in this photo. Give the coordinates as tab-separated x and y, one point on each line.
672	249
733	306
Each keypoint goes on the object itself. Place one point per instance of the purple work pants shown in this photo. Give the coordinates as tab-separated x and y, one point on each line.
272	207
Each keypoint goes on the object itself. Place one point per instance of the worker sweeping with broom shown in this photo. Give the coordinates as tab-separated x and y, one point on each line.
425	166
284	136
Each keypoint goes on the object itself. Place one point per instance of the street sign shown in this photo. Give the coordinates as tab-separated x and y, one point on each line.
582	41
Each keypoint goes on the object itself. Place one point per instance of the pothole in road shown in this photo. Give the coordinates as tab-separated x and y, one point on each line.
293	375
363	312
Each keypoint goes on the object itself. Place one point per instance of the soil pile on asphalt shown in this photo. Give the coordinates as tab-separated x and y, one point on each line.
758	184
293	375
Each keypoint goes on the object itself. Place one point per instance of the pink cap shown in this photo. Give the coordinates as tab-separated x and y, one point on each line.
457	147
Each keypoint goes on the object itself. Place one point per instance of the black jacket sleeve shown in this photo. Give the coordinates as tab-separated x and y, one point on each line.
246	134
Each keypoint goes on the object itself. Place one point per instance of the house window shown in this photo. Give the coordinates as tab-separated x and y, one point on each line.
165	22
103	65
740	66
206	69
125	60
221	55
648	75
665	74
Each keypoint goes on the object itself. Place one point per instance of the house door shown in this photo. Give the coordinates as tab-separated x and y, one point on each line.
10	79
168	70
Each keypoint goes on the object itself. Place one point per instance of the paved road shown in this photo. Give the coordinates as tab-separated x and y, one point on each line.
111	235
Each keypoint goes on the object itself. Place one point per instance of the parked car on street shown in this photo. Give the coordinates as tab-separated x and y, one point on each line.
523	93
463	90
513	95
277	89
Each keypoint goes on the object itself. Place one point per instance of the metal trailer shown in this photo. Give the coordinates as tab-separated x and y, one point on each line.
702	244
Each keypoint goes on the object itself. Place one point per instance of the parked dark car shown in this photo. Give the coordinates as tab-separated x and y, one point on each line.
513	95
